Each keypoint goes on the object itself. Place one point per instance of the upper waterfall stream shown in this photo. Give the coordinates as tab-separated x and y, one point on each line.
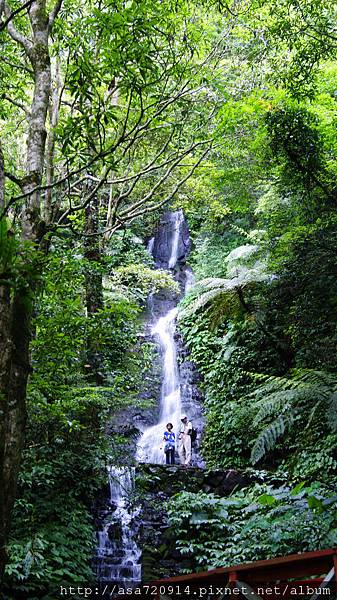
163	330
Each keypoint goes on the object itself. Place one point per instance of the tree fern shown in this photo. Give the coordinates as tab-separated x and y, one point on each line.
222	291
223	297
280	400
275	404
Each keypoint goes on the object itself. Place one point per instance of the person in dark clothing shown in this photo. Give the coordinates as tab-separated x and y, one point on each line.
170	441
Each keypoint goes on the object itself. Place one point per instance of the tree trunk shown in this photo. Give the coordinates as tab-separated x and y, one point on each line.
5	344
16	303
93	288
2	179
5	356
15	365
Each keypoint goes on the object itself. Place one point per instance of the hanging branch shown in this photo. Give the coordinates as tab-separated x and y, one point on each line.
14	33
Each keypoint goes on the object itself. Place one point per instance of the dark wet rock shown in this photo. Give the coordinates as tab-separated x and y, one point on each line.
115	532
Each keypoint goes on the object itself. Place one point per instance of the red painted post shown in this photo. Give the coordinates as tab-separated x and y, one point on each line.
233	577
335	566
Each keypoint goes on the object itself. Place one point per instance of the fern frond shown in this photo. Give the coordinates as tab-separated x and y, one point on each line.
273	384
274	404
303	394
310	383
267	439
332	412
315	377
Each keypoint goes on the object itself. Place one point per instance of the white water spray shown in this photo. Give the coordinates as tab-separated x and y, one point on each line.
148	449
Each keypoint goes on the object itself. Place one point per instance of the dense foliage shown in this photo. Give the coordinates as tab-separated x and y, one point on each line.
261	322
253	524
67	449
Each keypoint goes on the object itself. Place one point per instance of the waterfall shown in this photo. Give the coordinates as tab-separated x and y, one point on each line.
149	447
118	556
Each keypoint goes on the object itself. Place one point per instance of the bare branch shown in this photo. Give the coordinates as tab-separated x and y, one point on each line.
134	213
13	178
165	176
16	103
137	130
17	66
88	199
151	166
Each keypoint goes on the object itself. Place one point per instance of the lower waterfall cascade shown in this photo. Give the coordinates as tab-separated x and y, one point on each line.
118	557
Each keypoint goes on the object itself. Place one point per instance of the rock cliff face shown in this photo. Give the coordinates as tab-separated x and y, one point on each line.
155	484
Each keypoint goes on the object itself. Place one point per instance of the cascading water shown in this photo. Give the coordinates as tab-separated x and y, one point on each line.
118	556
178	220
149	446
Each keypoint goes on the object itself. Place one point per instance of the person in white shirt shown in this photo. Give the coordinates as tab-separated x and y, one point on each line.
185	442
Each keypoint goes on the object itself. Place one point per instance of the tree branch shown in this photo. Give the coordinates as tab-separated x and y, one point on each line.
13	178
11	16
165	176
14	33
88	199
137	129
16	103
134	213
53	13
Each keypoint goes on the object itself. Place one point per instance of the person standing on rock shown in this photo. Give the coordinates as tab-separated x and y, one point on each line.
185	442
170	444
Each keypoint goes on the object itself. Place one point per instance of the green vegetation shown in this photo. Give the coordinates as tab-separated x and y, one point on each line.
261	322
111	113
256	523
